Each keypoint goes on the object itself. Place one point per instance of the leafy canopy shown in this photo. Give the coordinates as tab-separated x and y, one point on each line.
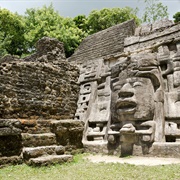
18	34
176	17
71	31
154	11
81	21
107	17
11	33
47	22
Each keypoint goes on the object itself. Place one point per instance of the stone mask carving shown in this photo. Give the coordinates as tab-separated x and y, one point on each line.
135	100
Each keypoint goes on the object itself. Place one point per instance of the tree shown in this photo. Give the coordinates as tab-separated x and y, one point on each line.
11	33
81	21
47	22
39	22
176	17
107	17
69	34
154	11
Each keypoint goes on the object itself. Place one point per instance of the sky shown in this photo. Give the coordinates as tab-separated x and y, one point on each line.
72	8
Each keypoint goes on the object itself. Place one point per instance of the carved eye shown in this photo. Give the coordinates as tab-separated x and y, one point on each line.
136	84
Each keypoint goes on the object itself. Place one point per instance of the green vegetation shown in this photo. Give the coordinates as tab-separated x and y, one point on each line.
177	17
47	22
83	170
105	18
154	11
11	33
18	34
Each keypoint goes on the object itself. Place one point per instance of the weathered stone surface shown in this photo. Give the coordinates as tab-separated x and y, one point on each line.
8	58
50	159
129	99
10	137
12	160
33	91
43	85
103	43
163	32
166	149
34	152
162	25
41	90
48	50
43	139
9	127
68	132
32	126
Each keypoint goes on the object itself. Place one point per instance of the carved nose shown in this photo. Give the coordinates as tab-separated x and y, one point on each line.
126	91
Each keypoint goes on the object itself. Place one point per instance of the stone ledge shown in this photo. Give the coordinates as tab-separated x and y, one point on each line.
12	160
9	127
140	39
51	159
165	149
68	132
35	152
31	140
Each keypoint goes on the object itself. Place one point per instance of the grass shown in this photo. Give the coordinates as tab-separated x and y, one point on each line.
82	169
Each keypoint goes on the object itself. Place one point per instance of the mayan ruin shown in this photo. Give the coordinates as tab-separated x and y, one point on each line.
118	94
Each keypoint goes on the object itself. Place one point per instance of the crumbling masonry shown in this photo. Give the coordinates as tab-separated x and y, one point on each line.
129	89
117	94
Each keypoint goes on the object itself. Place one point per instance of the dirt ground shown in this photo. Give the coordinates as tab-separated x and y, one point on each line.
135	160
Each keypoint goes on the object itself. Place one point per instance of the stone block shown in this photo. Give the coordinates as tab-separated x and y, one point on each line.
131	40
34	152
162	24
170	149
33	140
68	132
12	160
172	105
49	160
146	29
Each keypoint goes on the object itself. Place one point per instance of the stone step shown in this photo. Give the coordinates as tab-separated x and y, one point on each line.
11	160
34	152
35	140
50	159
35	126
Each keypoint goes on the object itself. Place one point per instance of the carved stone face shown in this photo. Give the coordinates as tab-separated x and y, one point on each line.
135	100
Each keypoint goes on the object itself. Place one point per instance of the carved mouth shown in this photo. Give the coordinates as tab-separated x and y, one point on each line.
125	106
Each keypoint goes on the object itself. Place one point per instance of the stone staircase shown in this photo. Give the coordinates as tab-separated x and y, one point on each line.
40	145
45	155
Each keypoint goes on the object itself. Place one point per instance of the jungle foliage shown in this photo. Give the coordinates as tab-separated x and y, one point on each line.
12	31
154	11
177	17
19	34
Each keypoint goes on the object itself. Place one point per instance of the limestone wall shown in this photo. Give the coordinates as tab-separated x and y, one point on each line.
35	93
44	87
38	89
129	96
104	43
126	94
151	36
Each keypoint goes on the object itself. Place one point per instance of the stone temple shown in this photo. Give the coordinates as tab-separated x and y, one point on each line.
118	94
